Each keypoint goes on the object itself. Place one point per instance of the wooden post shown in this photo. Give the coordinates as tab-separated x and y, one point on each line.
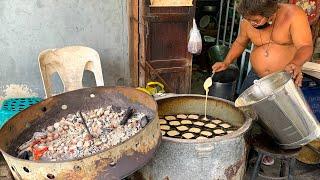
142	57
133	12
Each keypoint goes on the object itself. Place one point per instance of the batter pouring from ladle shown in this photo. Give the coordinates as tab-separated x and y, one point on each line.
281	37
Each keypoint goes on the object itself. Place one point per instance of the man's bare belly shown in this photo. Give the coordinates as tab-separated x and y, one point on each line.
278	57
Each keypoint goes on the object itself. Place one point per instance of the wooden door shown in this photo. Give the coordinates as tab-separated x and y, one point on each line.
167	59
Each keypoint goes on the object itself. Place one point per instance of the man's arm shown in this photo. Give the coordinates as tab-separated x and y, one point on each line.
239	45
302	38
236	50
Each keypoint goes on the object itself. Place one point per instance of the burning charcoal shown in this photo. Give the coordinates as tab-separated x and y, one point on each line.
66	123
49	138
107	130
86	144
56	145
69	138
25	155
97	143
80	144
74	141
71	117
65	148
56	136
91	114
79	120
127	115
39	151
39	135
50	129
56	125
87	137
73	148
63	132
144	121
99	123
100	112
99	131
60	151
106	113
104	139
78	125
51	148
72	129
49	134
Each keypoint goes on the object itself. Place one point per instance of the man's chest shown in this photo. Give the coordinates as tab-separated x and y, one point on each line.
280	34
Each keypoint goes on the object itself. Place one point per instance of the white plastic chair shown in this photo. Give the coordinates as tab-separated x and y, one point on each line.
70	63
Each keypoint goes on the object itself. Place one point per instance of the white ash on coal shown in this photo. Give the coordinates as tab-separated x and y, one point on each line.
69	138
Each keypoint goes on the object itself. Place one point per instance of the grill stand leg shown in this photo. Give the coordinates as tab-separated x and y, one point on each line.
257	167
283	168
292	165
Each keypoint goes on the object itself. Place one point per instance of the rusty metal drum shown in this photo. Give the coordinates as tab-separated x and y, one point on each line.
114	163
222	157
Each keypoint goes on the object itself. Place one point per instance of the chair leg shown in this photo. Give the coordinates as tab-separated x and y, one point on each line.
257	166
292	165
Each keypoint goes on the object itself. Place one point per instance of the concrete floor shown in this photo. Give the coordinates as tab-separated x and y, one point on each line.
302	171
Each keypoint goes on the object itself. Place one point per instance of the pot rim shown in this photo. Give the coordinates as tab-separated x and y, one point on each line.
266	97
239	132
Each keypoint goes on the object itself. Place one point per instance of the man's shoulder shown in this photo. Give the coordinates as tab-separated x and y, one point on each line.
292	10
244	23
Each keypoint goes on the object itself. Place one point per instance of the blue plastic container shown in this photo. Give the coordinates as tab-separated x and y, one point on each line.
312	95
11	107
19	104
5	116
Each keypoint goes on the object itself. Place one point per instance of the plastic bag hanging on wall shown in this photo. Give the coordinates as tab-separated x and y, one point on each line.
195	41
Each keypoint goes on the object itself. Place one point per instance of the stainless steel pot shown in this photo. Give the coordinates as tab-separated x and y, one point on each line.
224	83
216	158
282	109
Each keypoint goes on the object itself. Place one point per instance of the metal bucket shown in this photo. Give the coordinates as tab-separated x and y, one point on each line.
283	110
224	83
221	157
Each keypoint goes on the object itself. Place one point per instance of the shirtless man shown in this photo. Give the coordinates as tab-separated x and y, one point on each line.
282	41
281	36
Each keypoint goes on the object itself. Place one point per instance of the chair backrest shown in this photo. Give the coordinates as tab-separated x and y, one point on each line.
70	63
